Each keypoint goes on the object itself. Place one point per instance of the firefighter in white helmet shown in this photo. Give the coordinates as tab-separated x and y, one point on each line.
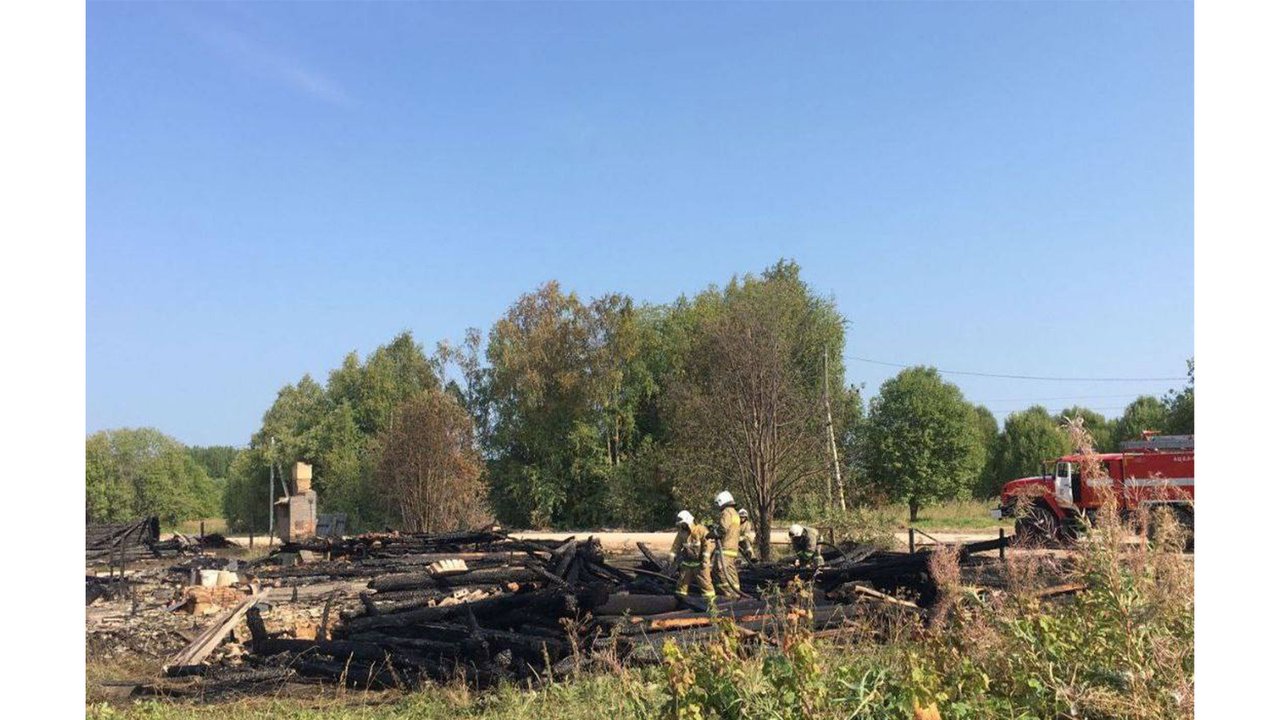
804	543
724	569
746	536
692	551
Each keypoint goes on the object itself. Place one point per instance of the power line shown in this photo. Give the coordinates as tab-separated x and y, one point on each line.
1063	397
1019	409
1027	377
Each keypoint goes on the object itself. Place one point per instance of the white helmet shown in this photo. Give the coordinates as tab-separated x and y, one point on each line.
724	498
742	513
685	517
795	531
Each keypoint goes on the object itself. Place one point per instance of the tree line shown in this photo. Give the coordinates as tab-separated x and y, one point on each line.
576	412
140	472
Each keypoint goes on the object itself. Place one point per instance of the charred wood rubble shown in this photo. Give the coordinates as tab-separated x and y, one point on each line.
485	606
118	544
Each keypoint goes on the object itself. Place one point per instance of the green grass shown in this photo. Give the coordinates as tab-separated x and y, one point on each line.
954	515
882	525
192	527
592	696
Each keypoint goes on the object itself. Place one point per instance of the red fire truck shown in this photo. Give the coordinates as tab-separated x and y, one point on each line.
1158	470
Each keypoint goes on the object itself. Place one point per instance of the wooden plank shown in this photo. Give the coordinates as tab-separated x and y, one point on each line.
199	649
1065	589
884	598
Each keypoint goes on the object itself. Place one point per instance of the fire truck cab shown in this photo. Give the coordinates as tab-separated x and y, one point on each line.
1158	470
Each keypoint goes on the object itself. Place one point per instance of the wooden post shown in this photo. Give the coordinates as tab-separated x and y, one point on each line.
271	509
831	438
201	529
1002	543
250	539
911	540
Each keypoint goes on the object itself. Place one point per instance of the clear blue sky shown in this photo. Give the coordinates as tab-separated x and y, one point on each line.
1001	187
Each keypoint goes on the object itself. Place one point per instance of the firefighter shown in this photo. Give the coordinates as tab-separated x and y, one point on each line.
724	571
692	551
804	543
746	537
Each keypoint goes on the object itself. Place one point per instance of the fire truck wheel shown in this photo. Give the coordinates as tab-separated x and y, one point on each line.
1073	528
1037	527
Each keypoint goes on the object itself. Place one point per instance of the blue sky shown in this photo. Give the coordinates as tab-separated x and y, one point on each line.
1001	187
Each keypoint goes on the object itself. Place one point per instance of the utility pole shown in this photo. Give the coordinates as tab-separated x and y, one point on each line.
831	436
271	511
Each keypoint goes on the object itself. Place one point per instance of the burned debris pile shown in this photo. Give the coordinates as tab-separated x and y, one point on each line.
118	544
485	606
121	542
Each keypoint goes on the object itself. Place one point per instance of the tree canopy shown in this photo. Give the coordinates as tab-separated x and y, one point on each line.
923	442
1099	428
429	471
215	459
566	382
1029	438
134	473
1181	406
579	412
335	428
989	434
1145	413
745	402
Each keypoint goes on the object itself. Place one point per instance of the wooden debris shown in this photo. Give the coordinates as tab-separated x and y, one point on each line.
199	649
198	600
487	607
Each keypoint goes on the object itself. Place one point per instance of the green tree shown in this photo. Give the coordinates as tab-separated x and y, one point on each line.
1098	426
541	394
1144	413
989	435
215	459
1029	438
642	494
334	427
343	457
1181	405
374	389
246	497
133	473
922	440
745	396
565	383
